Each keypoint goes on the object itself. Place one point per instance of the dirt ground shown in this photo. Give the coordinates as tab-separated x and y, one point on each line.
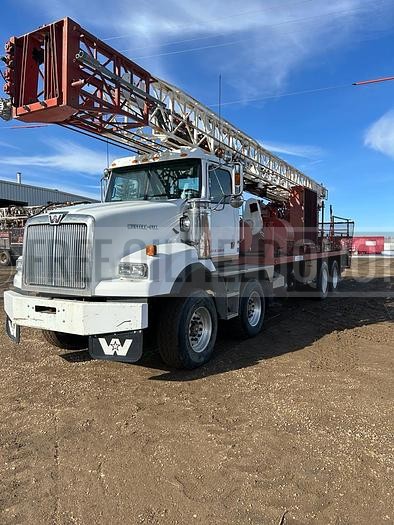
292	427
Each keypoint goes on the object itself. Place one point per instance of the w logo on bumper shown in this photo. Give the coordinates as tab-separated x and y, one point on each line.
115	347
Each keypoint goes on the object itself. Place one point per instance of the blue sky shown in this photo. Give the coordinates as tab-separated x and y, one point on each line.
274	56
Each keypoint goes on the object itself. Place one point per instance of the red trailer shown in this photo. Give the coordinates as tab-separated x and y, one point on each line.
370	245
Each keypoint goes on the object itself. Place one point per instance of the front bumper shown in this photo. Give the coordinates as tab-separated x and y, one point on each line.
75	317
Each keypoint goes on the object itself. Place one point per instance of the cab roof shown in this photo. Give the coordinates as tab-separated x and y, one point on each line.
183	153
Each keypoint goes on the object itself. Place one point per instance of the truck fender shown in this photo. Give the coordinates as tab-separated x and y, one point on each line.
195	275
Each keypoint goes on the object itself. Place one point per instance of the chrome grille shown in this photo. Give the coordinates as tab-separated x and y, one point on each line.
56	256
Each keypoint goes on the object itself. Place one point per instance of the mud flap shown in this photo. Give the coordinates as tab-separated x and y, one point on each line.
13	330
123	346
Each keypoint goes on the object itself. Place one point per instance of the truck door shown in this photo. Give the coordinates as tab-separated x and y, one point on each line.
224	218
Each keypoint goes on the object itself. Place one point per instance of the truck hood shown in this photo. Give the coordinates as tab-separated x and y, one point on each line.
104	209
123	228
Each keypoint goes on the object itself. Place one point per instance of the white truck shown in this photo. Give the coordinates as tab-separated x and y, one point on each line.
176	244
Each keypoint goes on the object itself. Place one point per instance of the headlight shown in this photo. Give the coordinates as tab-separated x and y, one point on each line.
133	270
19	264
185	223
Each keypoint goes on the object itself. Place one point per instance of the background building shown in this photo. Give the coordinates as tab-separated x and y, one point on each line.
16	200
27	195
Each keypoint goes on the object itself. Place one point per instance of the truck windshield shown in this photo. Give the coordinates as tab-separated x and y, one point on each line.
156	181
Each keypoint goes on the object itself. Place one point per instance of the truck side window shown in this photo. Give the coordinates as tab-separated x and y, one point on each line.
219	184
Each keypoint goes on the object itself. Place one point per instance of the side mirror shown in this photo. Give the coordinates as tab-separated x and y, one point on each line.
236	201
104	183
237	179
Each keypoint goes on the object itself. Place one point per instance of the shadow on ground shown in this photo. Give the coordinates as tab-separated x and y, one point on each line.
291	325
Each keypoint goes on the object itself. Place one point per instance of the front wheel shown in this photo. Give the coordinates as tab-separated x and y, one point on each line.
65	341
5	258
251	309
187	330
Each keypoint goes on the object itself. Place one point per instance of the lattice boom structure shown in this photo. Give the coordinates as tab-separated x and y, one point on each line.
62	74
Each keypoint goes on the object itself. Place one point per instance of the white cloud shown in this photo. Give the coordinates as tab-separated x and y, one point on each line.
271	40
7	145
66	156
295	150
380	136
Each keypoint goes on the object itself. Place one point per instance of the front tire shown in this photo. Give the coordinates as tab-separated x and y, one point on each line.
187	330
5	258
251	309
65	341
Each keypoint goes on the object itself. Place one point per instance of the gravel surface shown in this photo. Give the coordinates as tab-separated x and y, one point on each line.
292	427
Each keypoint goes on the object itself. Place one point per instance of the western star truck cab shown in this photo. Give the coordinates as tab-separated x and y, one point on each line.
91	270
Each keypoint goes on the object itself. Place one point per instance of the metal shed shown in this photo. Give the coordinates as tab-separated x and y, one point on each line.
27	195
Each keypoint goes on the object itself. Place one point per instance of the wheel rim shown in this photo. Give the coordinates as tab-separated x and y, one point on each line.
335	277
3	257
254	308
200	329
324	280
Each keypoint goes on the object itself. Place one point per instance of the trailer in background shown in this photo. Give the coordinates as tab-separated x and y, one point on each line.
12	223
12	226
11	243
368	245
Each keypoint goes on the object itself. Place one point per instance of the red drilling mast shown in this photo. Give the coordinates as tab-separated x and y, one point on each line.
60	73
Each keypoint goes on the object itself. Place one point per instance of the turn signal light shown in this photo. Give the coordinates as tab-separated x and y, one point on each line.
151	250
